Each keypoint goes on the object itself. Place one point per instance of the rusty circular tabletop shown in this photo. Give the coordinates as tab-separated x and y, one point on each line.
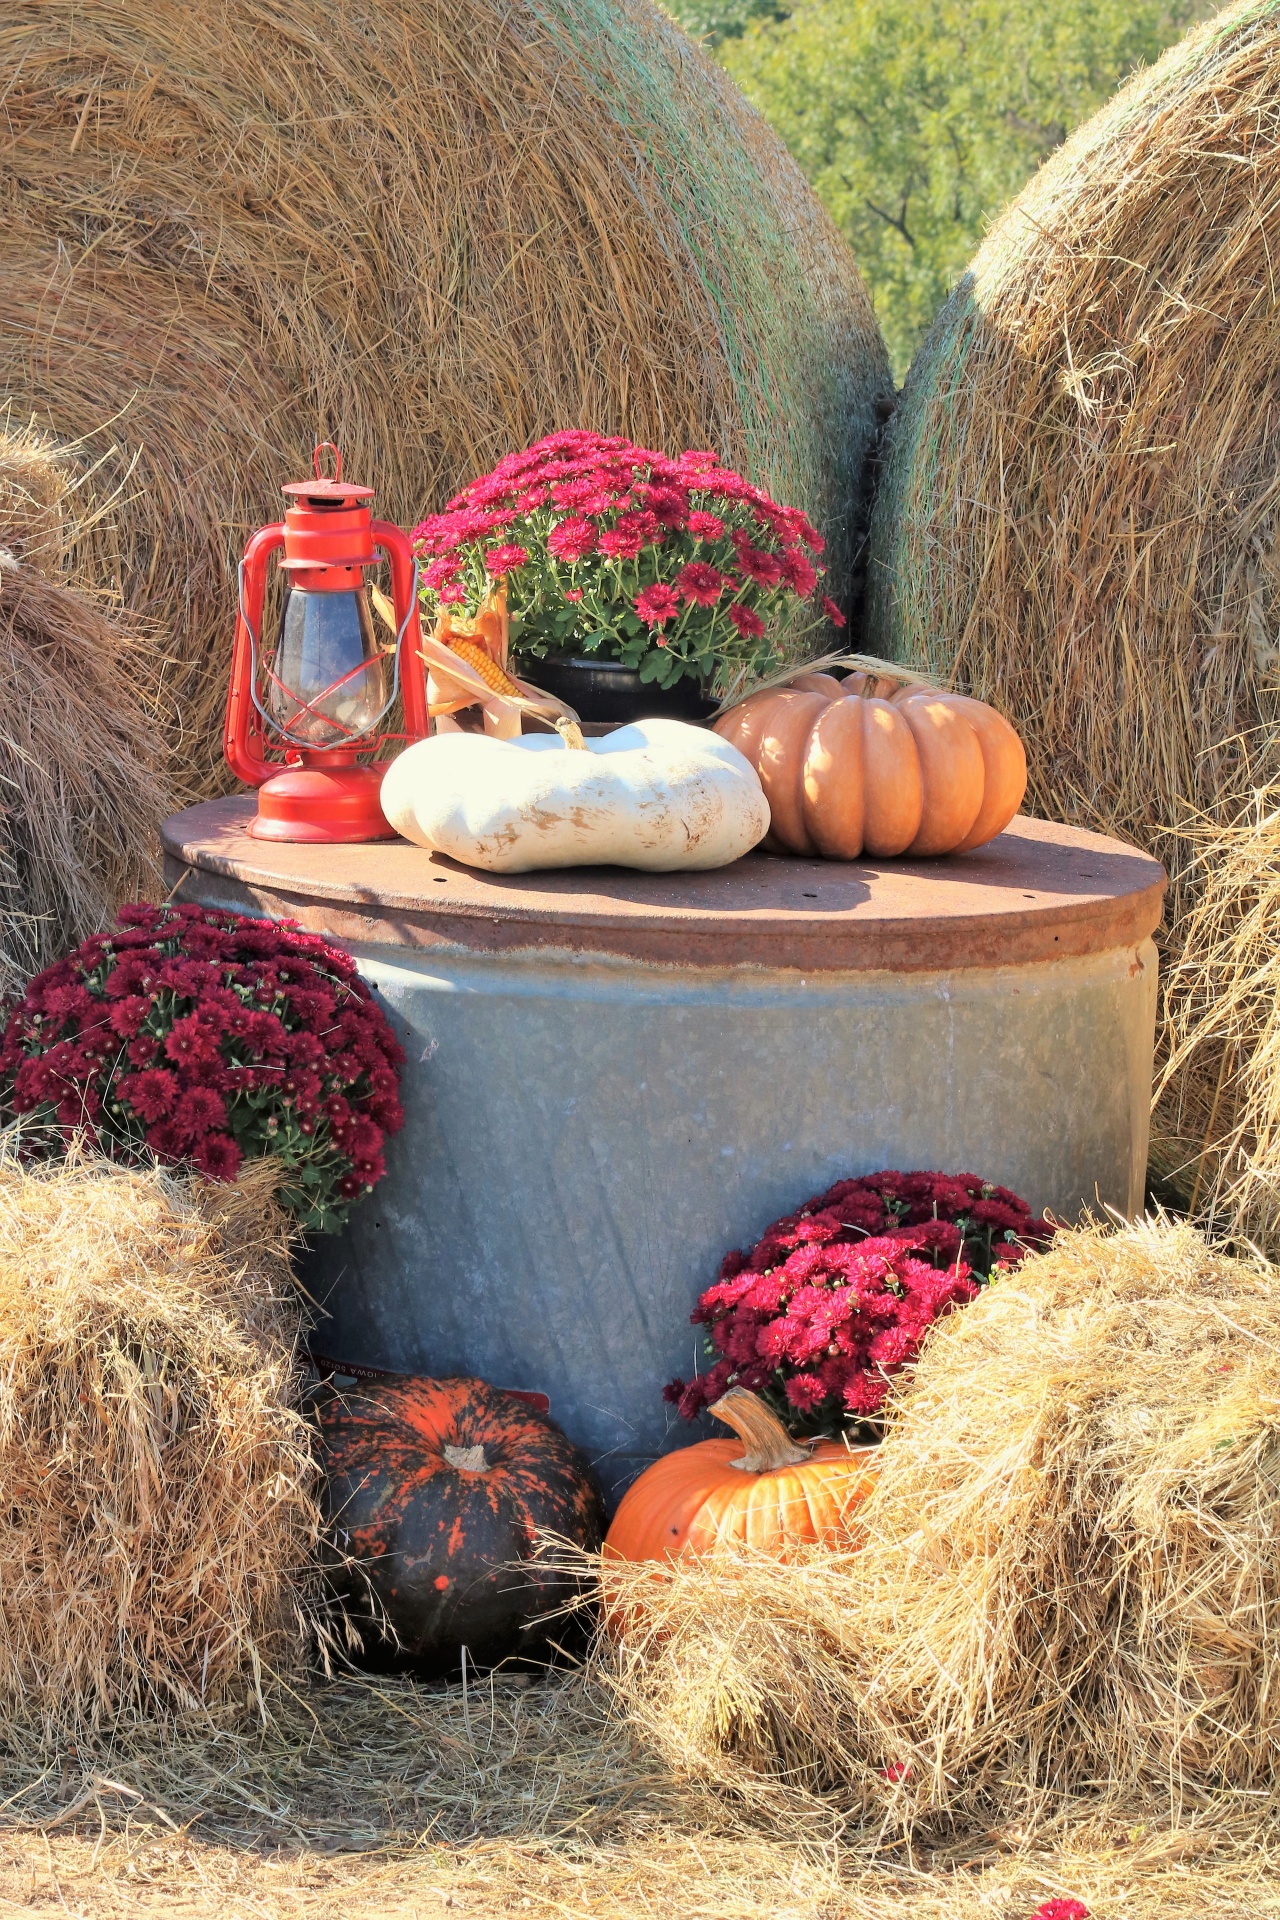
1038	892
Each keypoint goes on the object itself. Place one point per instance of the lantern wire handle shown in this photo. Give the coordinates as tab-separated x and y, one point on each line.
327	445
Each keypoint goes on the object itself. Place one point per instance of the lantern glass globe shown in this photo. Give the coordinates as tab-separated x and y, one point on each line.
327	683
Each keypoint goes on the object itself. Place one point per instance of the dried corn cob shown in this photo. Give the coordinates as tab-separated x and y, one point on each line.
489	670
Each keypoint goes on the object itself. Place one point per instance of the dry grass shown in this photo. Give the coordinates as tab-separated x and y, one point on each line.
388	1800
1068	1606
429	233
156	1511
81	793
1079	514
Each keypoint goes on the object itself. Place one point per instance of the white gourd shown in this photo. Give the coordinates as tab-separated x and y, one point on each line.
659	795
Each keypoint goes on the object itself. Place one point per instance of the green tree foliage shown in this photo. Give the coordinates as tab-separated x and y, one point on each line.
916	120
715	21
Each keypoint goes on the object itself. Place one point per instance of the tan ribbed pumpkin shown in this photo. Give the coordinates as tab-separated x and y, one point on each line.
869	766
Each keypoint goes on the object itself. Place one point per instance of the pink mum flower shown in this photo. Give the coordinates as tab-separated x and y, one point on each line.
799	575
587	494
573	539
657	604
746	621
700	583
805	1390
280	1030
199	1111
837	1297
629	534
217	1156
440	573
505	559
599	504
764	568
668	504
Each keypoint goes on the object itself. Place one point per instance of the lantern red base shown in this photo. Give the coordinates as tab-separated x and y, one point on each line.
324	805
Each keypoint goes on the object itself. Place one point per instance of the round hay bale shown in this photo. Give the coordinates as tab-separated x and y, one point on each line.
1069	1593
156	1486
427	233
1078	516
81	761
1220	1105
1078	511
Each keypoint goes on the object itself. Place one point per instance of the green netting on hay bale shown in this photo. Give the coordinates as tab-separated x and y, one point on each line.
1078	513
428	233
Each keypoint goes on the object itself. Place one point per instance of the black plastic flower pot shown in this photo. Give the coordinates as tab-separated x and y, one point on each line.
606	691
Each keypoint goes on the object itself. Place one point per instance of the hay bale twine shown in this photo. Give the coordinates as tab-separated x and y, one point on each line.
1069	1593
156	1486
82	788
427	233
1078	516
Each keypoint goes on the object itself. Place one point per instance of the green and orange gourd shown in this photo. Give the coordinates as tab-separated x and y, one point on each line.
435	1492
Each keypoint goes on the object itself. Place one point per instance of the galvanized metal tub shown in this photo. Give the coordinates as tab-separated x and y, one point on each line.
615	1077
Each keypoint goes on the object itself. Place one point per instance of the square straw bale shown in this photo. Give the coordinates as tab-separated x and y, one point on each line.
157	1509
1070	1588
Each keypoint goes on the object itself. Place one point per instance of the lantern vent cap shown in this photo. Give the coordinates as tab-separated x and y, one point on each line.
324	492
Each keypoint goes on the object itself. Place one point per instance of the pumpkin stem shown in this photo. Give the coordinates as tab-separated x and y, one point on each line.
571	733
767	1441
466	1459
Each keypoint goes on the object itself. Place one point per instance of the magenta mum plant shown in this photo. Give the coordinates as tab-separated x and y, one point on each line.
209	1038
832	1301
679	568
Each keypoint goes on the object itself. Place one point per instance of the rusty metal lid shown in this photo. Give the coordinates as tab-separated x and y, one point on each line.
1038	892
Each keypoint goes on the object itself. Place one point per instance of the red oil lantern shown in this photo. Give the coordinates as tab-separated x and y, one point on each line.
315	701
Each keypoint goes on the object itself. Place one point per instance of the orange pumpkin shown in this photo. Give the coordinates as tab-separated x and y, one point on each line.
777	1495
870	766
